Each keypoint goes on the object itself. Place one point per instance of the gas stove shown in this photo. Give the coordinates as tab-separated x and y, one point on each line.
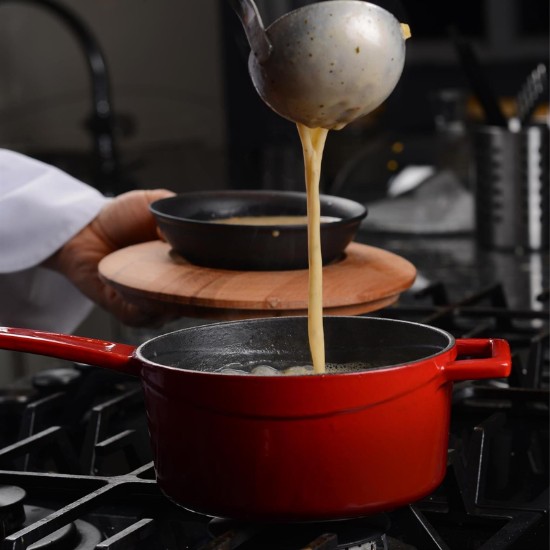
76	470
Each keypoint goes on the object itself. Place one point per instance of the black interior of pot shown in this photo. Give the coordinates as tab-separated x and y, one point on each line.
283	342
212	205
188	223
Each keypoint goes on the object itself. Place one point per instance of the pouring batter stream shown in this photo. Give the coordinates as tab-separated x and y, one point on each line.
313	143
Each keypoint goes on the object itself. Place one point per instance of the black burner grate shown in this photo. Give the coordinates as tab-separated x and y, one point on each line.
484	314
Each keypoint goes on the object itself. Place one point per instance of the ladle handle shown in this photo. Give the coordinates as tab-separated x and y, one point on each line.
254	29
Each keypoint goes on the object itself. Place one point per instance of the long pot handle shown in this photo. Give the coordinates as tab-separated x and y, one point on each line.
118	357
488	358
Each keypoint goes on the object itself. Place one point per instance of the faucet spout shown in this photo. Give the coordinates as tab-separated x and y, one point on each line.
101	122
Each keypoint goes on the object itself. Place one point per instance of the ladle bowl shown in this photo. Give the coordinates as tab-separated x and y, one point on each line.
325	64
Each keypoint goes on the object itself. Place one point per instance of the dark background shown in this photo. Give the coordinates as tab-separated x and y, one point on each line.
184	112
509	38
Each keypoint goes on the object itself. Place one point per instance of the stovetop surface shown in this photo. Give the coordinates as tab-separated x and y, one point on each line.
462	265
76	470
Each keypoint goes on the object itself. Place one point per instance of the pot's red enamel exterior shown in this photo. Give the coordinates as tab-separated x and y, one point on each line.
332	447
292	447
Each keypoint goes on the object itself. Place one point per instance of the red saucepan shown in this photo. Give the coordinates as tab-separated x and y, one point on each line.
292	448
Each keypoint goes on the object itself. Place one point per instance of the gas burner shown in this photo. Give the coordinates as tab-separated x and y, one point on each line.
12	513
367	533
79	535
16	516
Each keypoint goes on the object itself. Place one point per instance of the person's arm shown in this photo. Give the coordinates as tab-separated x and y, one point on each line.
41	208
125	221
54	230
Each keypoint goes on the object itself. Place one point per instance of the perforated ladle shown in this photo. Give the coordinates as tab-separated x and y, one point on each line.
325	64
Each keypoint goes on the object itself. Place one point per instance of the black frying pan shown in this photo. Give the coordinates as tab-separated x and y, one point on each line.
188	222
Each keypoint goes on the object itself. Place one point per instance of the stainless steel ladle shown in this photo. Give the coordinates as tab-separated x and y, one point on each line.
325	64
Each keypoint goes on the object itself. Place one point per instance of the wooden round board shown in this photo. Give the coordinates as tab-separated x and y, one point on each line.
364	280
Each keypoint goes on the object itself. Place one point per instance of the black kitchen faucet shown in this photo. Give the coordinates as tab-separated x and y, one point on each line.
101	121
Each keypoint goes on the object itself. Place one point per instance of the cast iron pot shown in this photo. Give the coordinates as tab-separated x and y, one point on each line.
188	222
292	448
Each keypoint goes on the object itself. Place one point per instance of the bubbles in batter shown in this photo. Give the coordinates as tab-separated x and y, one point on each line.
298	370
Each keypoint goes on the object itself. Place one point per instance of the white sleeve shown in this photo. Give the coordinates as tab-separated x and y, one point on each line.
41	299
41	208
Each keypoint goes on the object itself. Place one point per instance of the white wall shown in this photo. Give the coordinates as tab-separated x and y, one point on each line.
164	59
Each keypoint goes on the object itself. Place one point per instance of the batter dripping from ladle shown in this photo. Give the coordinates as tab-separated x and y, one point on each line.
323	66
313	143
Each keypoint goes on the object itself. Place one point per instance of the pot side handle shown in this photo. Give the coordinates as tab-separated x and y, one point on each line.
118	357
491	359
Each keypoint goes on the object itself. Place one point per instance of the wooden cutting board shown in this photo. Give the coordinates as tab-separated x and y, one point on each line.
364	280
